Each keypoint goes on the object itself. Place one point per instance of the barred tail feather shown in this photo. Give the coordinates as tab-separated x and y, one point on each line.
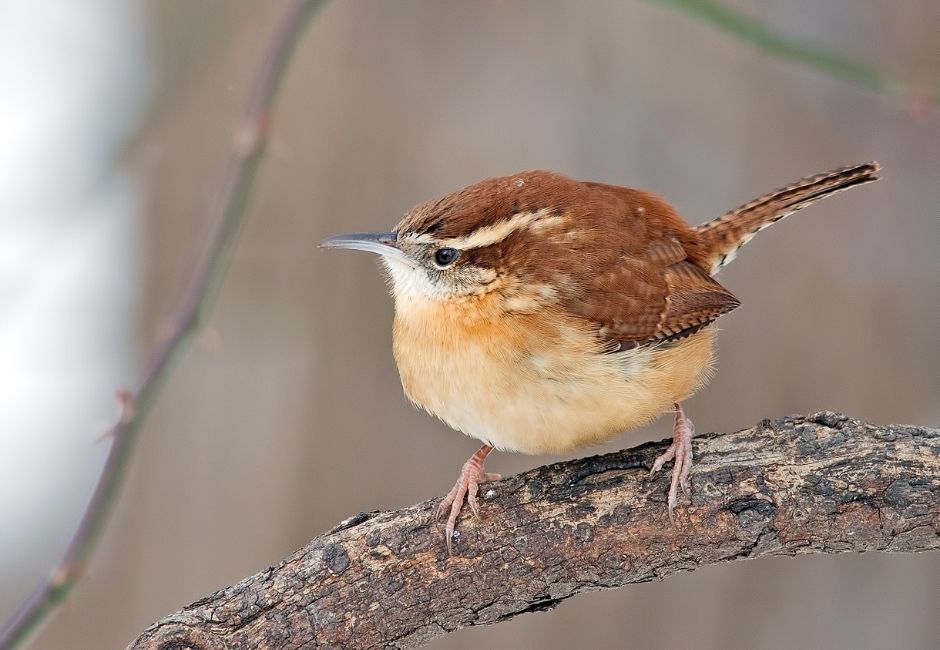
722	237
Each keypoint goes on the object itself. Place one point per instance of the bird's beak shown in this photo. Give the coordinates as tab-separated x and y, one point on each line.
381	243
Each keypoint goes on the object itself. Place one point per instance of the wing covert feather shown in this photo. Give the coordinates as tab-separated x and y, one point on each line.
649	288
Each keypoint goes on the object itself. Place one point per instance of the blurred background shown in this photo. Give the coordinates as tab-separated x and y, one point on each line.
287	415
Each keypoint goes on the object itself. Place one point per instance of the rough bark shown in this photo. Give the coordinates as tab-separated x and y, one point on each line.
817	484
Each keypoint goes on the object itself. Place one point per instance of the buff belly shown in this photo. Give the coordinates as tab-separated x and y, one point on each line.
540	385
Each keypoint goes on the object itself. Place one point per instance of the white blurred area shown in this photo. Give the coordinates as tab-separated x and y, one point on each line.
73	82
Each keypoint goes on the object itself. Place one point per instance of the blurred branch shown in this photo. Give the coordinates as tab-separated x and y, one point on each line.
816	484
806	53
194	308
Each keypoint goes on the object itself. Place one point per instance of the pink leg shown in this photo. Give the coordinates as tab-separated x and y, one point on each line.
468	484
681	450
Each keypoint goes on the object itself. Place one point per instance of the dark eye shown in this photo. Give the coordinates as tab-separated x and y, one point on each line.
445	256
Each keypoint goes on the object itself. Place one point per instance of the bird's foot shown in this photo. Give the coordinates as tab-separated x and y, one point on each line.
472	475
681	451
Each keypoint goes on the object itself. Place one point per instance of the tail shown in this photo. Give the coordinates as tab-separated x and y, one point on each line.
722	237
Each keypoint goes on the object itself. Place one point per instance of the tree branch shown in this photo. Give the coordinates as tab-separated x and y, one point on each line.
815	484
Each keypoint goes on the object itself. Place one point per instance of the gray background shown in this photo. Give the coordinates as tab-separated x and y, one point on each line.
287	415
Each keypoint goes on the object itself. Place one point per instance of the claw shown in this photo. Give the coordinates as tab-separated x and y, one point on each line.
472	498
663	458
467	486
681	451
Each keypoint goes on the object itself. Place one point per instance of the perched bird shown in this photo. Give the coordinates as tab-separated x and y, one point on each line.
538	314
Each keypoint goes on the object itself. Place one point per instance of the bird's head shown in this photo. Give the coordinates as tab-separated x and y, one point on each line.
512	234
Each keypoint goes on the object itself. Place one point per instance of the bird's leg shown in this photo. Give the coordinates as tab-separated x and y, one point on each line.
681	450
467	486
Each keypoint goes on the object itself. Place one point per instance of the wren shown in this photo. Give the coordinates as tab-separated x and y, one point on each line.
539	314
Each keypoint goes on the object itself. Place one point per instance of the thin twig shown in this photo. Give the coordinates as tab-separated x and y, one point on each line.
815	56
194	309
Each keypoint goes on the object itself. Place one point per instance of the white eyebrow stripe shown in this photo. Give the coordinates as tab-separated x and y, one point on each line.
488	235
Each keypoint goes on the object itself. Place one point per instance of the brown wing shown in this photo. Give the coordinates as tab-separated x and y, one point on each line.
693	299
648	288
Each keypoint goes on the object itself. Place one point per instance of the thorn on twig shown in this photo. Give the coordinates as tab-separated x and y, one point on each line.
125	413
250	135
126	401
65	574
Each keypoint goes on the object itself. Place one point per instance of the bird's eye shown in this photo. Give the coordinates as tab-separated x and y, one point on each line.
445	256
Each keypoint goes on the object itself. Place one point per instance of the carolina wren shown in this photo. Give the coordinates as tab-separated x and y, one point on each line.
538	313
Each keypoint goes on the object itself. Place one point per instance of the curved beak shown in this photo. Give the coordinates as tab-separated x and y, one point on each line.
381	243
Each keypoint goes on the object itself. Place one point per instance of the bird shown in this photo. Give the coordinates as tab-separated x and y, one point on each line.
540	314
